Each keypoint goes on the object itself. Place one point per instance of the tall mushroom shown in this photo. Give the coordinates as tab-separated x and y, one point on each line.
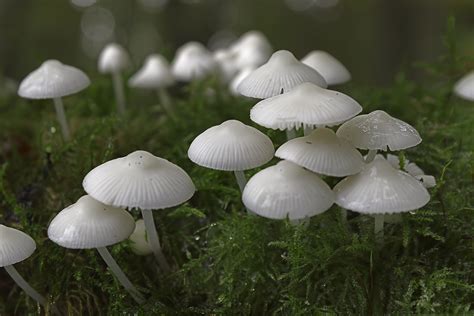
114	60
16	246
144	181
89	224
231	146
54	80
332	70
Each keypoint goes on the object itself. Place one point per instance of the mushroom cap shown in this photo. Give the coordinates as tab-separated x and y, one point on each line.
113	59
139	180
378	130
413	170
227	63
332	70
154	74
287	190
231	146
193	61
53	80
241	75
379	189
139	243
280	74
464	88
307	105
15	246
252	49
89	223
324	153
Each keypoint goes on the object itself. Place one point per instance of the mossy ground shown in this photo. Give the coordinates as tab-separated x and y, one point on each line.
227	262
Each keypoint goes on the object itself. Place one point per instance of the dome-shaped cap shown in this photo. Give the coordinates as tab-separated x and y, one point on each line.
113	58
413	170
287	190
307	105
139	180
252	49
464	88
139	242
234	83
227	63
90	224
15	246
280	74
154	74
379	188
323	152
193	61
378	130
332	70
231	146
53	80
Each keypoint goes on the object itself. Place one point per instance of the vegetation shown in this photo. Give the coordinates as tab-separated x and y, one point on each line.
227	262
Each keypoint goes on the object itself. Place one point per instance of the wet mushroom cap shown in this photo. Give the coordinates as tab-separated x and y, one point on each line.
324	153
15	246
231	146
381	189
89	223
280	74
287	190
379	131
307	105
53	80
332	70
139	180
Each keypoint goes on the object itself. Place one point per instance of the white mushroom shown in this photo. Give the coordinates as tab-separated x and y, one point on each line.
332	70
193	62
412	169
464	88
139	239
251	50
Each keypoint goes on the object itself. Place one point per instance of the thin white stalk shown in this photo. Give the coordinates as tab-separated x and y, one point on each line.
154	240
241	180
25	285
165	101
378	226
119	93
61	115
290	134
370	155
121	277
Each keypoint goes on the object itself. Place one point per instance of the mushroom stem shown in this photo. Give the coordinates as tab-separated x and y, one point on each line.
165	101
61	115
154	240
24	285
119	93
378	226
290	134
122	278
370	155
344	215
241	180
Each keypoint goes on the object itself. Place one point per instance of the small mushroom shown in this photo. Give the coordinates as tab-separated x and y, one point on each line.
280	74
114	60
89	224
231	146
287	190
193	62
227	64
144	181
306	106
16	246
380	189
332	70
251	50
139	239
324	153
54	80
378	131
464	88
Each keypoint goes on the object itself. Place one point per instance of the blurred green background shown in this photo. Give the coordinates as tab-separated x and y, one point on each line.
374	38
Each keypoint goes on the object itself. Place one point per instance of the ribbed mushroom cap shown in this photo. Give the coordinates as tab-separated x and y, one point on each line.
113	59
234	83
252	49
53	80
193	61
323	152
90	224
464	88
287	190
280	74
379	189
413	170
231	146
307	105
332	70
155	74
139	180
15	246
378	130
139	241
